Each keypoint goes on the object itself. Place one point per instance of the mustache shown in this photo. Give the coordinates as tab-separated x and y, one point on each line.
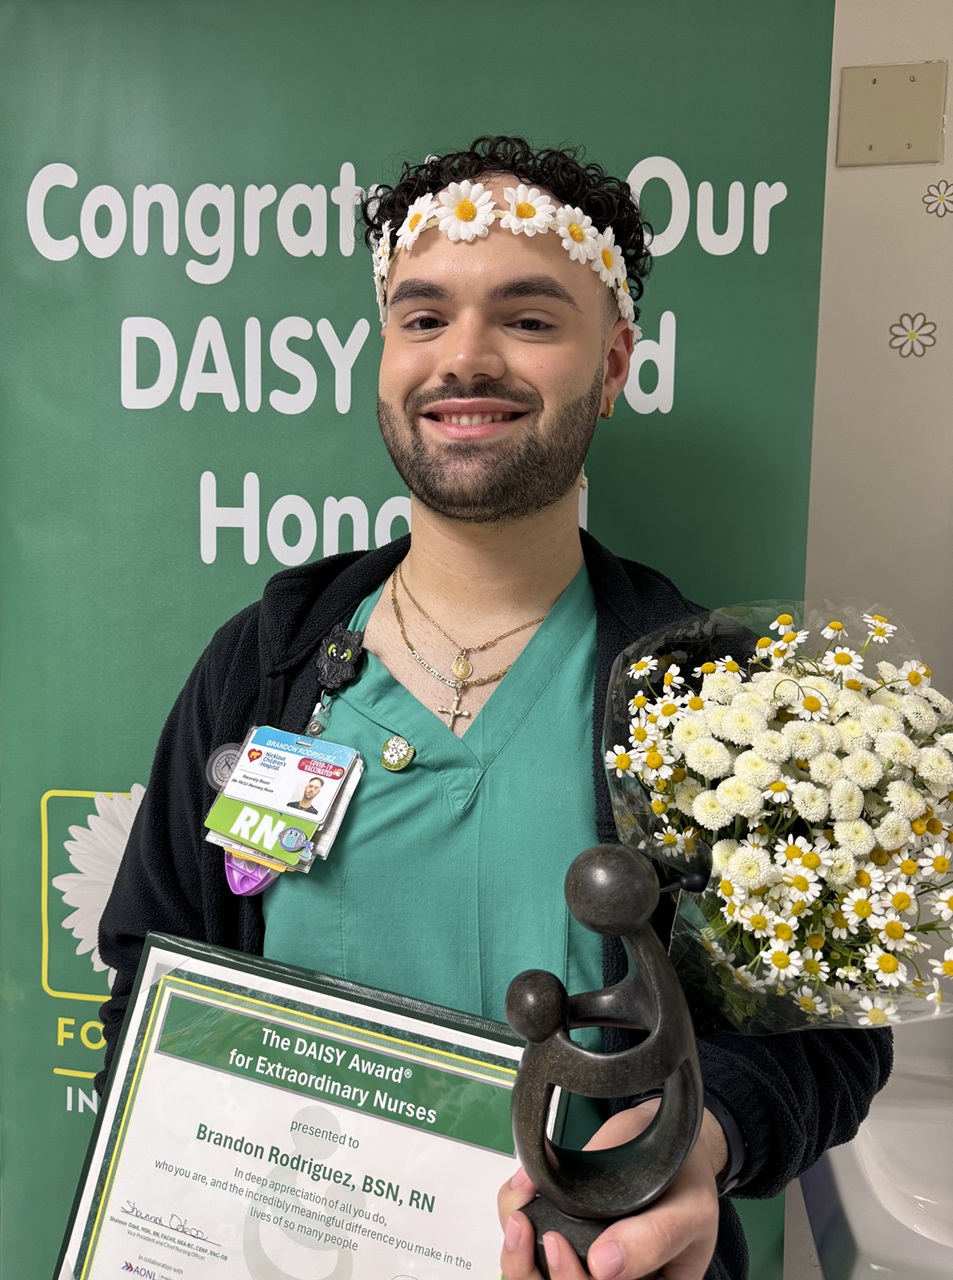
420	401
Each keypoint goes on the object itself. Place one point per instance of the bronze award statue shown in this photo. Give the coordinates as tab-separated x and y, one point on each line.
610	889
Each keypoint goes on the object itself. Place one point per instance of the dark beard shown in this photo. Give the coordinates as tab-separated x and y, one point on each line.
485	482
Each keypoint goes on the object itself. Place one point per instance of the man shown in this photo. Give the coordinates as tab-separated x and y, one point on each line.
507	280
308	796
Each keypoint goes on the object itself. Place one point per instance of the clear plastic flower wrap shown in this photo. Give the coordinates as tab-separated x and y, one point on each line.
801	760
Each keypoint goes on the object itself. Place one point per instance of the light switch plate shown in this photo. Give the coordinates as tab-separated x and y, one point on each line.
891	114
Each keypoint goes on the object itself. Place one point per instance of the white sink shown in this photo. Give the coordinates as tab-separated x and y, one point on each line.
883	1204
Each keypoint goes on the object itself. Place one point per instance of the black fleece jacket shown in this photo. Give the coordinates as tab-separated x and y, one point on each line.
792	1096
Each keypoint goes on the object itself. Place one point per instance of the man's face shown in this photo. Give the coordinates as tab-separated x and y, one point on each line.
497	358
312	788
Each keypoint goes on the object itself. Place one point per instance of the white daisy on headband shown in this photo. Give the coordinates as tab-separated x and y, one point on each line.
608	261
417	217
465	210
530	211
577	233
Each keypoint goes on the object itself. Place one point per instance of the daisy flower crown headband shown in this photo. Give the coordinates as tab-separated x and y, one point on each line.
466	211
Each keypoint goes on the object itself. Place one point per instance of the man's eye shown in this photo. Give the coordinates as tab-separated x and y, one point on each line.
528	325
422	324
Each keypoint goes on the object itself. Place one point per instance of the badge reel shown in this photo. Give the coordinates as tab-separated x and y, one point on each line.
282	796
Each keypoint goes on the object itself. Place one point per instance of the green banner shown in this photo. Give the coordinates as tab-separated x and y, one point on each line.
458	1101
187	402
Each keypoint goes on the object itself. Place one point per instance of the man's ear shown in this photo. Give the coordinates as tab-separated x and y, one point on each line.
619	345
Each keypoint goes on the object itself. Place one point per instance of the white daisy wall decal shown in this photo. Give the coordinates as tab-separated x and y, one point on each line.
939	198
95	851
912	334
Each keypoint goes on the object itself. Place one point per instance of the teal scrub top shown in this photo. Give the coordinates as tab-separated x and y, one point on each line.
446	879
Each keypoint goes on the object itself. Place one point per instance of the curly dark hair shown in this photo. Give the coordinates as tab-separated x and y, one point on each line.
608	201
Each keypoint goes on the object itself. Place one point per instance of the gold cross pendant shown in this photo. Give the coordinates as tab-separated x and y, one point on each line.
454	713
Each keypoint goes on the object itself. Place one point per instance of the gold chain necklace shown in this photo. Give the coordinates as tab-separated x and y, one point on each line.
461	666
463	672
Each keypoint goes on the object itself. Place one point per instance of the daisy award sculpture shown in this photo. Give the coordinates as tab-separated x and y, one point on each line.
610	890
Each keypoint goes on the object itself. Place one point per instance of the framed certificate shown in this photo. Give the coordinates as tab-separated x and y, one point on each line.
262	1121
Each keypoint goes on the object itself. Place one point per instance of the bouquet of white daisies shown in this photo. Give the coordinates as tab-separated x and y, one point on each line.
768	749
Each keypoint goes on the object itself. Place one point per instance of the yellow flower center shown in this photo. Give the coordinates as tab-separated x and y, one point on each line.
807	1003
640	733
727	889
900	901
815	940
811	703
853	684
669	708
414	222
679	775
783	931
914	677
696	703
877	1017
880	857
811	860
792	852
466	211
909	866
919	826
802	764
784	620
862	908
835	626
780	959
732	666
669	838
639	701
668	680
708	668
789	636
840	920
934	826
888	963
758	921
576	232
812	967
659	807
798	908
862	879
894	930
623	760
525	210
941	864
843	659
801	883
878	617
764	642
607	259
778	787
654	759
947	967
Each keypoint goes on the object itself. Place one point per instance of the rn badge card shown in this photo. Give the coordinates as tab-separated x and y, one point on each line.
281	792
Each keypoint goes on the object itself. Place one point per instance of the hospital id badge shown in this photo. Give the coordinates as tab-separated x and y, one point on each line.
284	799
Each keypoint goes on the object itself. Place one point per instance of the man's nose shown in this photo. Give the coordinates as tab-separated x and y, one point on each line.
473	353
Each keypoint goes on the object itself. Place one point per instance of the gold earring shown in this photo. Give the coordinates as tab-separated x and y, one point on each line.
607	413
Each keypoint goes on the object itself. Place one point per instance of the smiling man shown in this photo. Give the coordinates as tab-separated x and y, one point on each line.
508	280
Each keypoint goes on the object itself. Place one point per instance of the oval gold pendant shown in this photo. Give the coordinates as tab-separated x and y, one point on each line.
396	753
461	668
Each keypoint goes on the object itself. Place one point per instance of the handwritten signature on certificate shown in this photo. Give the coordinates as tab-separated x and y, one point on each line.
175	1223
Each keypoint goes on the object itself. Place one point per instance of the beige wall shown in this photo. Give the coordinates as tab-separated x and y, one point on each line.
881	503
